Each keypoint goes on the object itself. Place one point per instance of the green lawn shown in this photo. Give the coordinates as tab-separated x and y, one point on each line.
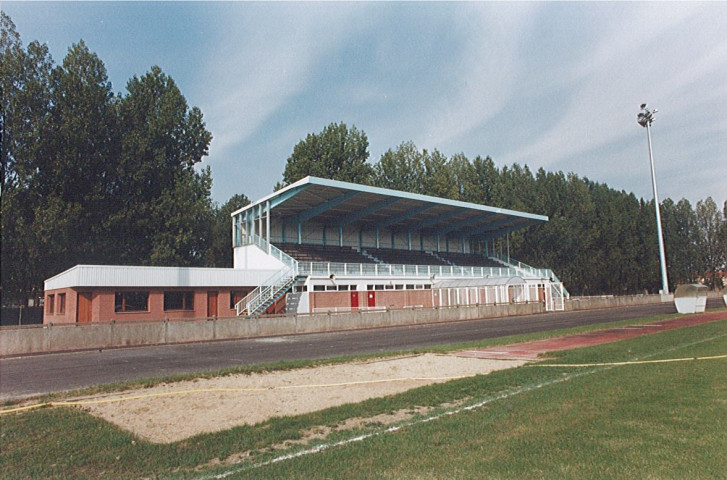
636	421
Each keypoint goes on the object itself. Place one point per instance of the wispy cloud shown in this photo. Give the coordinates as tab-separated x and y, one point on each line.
482	83
264	57
625	70
551	84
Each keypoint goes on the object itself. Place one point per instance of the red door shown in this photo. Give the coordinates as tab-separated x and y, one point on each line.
211	304
354	300
372	298
83	311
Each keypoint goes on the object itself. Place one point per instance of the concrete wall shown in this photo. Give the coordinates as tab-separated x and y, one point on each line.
60	337
592	303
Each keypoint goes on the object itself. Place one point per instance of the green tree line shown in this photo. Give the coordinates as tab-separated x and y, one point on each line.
90	176
598	240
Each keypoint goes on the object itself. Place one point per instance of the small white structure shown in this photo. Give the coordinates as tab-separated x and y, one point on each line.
690	298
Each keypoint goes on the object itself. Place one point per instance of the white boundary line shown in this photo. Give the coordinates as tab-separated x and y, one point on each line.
474	406
359	438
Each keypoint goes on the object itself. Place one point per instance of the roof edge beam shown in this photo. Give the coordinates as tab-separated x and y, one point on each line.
273	202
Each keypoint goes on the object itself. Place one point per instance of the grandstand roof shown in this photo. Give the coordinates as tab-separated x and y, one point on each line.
332	202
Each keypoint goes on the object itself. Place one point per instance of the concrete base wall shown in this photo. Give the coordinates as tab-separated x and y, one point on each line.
592	303
53	338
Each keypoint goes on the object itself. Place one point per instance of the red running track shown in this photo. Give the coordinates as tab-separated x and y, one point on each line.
531	350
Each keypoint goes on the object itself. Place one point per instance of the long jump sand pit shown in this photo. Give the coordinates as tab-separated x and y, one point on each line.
172	412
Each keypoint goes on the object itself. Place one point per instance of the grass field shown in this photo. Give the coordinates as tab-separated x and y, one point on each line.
664	420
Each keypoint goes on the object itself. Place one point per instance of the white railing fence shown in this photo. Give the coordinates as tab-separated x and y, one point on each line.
528	271
264	295
393	270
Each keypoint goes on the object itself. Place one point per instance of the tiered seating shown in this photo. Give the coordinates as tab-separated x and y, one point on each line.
335	254
468	260
405	257
323	253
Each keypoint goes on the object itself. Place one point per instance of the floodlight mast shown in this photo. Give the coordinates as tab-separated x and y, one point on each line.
645	118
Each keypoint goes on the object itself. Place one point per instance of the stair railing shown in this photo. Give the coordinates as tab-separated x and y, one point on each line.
527	270
270	288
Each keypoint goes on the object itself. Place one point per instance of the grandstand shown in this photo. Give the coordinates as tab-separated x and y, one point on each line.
339	246
320	246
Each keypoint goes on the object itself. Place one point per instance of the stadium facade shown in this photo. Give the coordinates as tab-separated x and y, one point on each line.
321	245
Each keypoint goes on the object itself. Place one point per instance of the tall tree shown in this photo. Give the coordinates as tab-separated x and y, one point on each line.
710	223
25	86
220	248
400	169
77	158
164	201
439	180
92	177
485	184
680	241
337	153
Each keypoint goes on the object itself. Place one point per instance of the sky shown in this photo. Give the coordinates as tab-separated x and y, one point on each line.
555	85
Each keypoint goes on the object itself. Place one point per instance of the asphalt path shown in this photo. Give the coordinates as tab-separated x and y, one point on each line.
40	374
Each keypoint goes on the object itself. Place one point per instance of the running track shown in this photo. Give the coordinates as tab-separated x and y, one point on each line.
531	350
39	374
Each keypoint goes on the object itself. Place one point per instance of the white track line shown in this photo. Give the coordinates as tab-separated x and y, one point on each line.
485	401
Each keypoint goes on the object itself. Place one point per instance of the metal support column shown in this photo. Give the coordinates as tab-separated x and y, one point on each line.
267	227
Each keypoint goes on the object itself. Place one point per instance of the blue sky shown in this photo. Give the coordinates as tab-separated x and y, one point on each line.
552	85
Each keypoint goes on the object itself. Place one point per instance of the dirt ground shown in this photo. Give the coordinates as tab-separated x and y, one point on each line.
171	412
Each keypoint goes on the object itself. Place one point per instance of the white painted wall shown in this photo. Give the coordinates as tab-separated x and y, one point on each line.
251	257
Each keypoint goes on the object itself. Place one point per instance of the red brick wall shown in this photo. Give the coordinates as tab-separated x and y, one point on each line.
56	316
103	299
330	300
384	298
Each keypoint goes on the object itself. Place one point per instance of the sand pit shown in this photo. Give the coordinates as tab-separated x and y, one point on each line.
171	412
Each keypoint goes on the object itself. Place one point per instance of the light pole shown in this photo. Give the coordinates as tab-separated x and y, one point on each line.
645	118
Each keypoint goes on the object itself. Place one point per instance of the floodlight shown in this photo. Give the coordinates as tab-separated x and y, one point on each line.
645	118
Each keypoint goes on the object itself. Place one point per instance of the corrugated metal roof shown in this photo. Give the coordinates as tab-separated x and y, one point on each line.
332	202
134	276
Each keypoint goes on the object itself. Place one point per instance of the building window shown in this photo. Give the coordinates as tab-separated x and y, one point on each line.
131	302
319	288
61	303
178	300
50	304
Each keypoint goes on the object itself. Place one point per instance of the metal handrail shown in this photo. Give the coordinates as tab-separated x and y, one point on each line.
536	272
525	268
273	285
400	270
